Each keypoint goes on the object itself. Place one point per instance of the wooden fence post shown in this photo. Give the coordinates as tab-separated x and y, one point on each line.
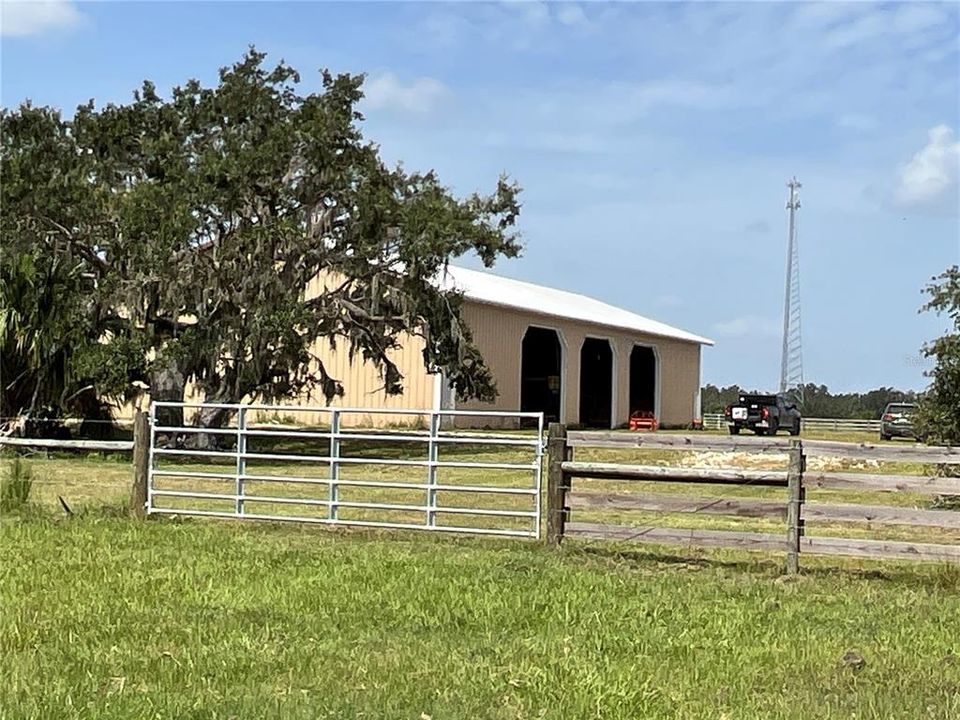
141	464
795	496
557	452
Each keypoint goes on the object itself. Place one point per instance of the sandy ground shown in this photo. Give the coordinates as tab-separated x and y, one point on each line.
770	461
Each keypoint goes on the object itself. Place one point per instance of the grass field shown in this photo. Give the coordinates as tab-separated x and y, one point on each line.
102	616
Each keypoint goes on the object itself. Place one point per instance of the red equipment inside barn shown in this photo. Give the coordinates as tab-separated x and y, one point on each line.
640	420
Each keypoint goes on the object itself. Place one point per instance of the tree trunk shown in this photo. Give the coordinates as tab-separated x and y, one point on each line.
168	385
212	417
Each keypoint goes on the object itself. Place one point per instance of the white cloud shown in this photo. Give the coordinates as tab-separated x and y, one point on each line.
929	180
534	14
38	16
747	325
386	90
817	15
859	30
914	17
571	15
512	26
911	23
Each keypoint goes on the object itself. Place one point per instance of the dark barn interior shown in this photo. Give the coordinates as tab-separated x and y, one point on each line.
596	383
540	373
643	380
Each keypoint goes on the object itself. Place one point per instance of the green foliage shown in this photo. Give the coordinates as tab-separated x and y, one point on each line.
49	313
939	416
818	401
15	485
44	322
198	221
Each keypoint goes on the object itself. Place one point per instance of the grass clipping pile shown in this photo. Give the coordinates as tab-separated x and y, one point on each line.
772	461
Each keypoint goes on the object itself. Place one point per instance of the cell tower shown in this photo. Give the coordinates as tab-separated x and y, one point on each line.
791	364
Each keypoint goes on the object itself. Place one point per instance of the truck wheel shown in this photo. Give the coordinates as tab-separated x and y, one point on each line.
734	430
795	430
884	437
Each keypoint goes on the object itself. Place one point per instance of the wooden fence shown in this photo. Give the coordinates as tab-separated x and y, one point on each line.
139	446
563	497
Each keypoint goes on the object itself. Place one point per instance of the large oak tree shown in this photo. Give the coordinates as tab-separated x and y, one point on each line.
196	221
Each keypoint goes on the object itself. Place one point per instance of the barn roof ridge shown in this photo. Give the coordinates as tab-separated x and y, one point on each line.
493	289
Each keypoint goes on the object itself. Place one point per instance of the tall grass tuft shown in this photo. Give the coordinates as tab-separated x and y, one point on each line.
15	485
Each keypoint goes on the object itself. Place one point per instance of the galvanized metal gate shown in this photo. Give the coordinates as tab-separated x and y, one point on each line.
423	473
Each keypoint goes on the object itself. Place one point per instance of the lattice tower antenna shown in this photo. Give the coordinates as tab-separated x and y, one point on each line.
791	363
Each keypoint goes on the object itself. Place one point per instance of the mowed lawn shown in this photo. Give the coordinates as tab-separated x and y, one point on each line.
107	617
103	616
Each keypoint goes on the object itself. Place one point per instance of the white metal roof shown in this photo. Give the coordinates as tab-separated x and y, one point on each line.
496	290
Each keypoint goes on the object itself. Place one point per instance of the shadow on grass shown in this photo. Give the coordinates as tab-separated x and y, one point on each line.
637	559
928	576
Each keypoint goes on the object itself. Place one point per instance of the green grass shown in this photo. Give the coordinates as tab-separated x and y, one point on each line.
104	617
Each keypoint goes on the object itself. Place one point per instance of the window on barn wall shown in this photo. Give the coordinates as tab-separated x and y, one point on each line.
596	383
643	380
541	364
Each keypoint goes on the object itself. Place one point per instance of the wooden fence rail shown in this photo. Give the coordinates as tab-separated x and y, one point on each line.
88	445
567	475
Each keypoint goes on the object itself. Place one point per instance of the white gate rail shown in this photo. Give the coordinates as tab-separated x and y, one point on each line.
716	421
505	493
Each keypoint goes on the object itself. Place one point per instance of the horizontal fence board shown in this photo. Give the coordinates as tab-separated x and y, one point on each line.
883	483
92	445
707	476
906	452
677	536
881	515
660	503
812	512
670	441
881	549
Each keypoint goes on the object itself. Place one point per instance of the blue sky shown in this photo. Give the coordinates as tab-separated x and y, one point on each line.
653	142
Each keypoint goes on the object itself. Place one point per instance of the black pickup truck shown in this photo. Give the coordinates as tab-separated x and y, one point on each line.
764	414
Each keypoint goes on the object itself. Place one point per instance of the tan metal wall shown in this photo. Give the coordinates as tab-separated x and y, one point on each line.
499	333
363	387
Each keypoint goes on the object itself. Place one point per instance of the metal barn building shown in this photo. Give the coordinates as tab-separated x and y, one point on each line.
572	357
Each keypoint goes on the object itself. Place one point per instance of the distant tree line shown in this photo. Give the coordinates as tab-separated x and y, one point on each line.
818	401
